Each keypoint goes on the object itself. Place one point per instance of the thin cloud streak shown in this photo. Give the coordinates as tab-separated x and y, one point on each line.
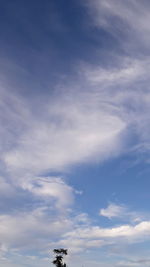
131	17
121	212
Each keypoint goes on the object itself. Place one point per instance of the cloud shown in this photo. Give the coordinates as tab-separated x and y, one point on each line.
74	125
130	70
36	230
121	212
69	132
77	245
124	91
113	210
135	263
83	238
49	188
139	230
130	17
32	229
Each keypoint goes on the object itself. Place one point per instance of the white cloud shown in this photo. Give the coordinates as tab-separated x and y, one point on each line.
51	188
76	127
121	212
125	94
84	131
36	230
129	71
31	230
17	260
127	232
113	210
133	18
77	245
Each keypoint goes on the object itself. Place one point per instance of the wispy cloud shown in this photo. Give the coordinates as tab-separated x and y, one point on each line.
131	19
121	212
41	144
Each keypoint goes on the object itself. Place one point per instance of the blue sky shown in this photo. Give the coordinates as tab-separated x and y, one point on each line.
75	132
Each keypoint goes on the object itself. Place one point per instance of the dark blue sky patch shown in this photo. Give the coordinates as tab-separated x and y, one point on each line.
45	39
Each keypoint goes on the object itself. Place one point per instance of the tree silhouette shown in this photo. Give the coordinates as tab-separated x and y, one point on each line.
58	261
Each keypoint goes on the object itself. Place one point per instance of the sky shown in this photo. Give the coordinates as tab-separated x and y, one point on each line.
75	132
